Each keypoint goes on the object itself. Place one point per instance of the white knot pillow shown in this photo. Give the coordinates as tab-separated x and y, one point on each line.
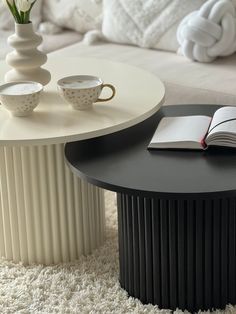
209	32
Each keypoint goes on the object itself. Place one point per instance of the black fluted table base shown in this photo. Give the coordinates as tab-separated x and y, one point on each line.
178	253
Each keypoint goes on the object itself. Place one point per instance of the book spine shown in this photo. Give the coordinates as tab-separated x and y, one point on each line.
203	143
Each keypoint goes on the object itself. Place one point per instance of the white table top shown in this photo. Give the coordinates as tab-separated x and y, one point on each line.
139	95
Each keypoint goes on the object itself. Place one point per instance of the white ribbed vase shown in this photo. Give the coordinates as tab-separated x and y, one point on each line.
26	60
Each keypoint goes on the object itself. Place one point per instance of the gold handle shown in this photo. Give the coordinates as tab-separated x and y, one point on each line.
113	93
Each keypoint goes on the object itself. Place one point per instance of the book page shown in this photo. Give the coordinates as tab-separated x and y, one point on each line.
185	132
222	116
222	131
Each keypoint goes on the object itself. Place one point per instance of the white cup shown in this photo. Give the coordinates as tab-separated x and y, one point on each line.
81	91
20	98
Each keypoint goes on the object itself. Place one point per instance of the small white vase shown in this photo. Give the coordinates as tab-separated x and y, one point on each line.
26	59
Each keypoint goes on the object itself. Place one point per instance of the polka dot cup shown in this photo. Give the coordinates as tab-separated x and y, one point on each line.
82	91
20	98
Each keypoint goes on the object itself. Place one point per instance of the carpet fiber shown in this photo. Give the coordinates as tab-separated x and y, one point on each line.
89	285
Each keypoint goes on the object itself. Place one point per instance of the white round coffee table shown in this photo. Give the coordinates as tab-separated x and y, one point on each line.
47	215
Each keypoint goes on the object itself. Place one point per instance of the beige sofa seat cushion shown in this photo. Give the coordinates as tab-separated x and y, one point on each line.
50	42
57	41
186	81
4	48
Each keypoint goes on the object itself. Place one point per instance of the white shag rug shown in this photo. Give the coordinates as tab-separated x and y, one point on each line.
89	285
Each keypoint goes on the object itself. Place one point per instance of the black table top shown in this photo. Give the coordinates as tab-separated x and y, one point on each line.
121	162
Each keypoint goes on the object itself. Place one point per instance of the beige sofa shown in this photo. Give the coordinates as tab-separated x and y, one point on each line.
186	82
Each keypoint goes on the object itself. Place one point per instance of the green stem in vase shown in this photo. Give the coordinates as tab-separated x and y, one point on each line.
27	17
22	15
14	11
27	14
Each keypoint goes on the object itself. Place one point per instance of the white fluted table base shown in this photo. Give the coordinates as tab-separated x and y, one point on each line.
47	215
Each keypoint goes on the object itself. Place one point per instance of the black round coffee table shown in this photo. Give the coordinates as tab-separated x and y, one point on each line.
176	213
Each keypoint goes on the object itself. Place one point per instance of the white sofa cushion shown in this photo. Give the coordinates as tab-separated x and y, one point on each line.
150	24
79	15
7	20
186	82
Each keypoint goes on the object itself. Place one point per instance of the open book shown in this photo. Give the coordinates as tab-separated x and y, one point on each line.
196	132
